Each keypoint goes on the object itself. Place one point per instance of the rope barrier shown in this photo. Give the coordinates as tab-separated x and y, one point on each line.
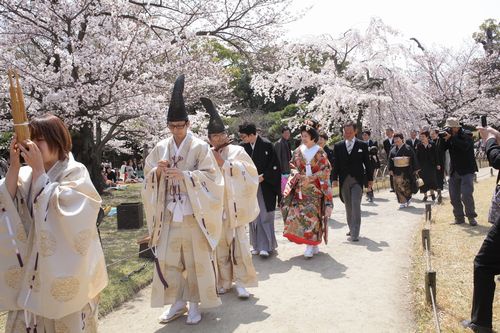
434	309
126	258
430	275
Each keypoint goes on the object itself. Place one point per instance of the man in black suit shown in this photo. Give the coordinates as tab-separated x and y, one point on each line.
388	144
413	141
373	151
351	161
262	152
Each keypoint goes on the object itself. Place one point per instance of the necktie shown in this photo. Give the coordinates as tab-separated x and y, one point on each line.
349	145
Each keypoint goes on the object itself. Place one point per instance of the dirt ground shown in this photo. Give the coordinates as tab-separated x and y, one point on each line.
349	287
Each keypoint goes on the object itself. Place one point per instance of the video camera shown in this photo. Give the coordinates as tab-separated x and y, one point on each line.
443	132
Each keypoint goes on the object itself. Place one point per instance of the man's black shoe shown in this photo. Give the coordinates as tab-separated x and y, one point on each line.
458	222
475	328
473	222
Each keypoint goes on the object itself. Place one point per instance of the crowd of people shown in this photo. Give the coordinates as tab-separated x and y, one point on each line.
200	198
131	171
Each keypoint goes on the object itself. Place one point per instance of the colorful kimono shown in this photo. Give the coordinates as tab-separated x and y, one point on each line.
240	208
185	222
52	267
404	177
303	207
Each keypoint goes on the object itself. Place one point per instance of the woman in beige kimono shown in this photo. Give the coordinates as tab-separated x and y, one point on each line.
52	266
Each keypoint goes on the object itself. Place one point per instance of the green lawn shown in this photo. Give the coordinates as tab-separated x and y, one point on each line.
453	251
124	281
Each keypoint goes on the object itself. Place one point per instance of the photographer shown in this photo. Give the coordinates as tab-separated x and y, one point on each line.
462	169
487	261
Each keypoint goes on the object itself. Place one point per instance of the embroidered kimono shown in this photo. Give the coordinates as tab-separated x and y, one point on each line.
404	177
52	267
240	208
185	222
303	204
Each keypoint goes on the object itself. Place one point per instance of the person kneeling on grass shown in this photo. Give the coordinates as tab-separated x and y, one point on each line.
487	261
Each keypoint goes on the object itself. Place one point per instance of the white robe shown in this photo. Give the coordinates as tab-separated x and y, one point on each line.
241	181
59	269
202	191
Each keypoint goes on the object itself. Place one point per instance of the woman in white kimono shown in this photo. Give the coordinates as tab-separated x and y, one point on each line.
52	267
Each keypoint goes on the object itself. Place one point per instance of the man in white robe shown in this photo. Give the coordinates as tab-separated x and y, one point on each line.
240	207
182	195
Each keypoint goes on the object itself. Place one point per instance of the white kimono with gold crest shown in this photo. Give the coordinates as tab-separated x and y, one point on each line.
241	181
52	266
184	220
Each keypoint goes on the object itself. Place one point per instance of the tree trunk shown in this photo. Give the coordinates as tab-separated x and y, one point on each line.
88	153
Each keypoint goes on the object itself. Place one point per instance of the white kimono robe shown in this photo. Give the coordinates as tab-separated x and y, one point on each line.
52	265
241	181
185	222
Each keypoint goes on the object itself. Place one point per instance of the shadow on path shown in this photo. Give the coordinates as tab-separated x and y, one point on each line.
321	263
225	318
371	245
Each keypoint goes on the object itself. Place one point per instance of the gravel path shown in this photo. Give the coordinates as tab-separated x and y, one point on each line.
349	287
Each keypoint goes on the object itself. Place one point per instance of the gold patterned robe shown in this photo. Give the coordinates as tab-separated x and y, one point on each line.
240	208
185	259
52	266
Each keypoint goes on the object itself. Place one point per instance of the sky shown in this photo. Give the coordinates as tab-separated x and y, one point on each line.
433	22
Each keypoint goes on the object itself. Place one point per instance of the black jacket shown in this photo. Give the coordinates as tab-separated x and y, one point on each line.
413	145
388	146
331	158
266	161
284	154
493	153
353	164
462	159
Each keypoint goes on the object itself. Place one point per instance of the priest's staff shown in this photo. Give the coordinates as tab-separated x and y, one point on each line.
18	108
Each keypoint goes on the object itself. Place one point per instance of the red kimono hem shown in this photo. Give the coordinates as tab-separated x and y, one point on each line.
299	240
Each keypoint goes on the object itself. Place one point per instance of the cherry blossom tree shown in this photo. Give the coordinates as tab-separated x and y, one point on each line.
360	76
107	67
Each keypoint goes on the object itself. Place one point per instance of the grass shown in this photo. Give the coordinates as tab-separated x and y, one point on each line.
453	251
123	282
131	275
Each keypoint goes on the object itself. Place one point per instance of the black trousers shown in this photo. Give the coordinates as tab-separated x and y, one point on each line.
486	266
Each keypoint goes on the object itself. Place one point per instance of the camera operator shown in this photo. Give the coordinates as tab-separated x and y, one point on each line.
462	169
487	261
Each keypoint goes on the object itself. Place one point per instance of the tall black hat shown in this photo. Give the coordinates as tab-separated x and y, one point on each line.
177	109
215	124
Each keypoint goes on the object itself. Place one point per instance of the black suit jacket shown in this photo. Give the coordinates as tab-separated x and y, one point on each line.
265	159
413	145
357	164
388	146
